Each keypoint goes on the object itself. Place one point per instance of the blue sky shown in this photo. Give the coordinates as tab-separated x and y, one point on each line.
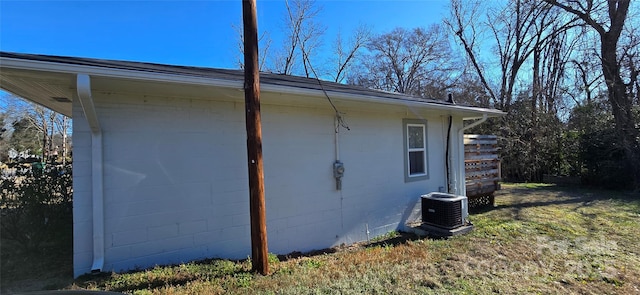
197	33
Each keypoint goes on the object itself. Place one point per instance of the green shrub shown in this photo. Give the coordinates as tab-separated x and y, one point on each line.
36	206
601	158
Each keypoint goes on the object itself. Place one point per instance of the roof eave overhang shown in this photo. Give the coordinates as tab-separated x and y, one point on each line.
56	67
36	65
465	111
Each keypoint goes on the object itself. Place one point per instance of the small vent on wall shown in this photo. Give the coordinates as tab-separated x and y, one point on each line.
60	99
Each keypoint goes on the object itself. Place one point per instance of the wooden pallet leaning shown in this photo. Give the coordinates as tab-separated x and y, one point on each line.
482	169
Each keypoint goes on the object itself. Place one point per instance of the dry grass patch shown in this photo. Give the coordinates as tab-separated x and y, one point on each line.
538	239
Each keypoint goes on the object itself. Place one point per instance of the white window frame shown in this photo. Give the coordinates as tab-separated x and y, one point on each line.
409	177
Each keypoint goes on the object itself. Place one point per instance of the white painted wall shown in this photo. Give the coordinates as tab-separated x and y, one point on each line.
176	181
82	203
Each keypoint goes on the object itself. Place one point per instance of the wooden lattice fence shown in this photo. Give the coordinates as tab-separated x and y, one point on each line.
482	168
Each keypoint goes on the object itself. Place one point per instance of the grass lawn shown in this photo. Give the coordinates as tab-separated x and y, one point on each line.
538	239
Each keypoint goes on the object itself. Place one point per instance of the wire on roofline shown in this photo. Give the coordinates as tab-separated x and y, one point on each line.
339	117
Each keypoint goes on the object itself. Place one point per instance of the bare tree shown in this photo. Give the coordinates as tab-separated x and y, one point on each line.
520	31
465	26
34	127
303	37
586	81
524	75
514	44
630	59
43	120
345	54
264	44
4	146
62	128
417	62
469	90
551	63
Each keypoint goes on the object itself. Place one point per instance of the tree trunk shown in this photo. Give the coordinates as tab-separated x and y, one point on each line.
64	140
620	104
45	137
626	133
52	117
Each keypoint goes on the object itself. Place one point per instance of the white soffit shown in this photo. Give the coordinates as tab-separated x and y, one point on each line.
46	93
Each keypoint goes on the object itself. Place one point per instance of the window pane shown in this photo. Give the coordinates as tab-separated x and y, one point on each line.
416	136
416	162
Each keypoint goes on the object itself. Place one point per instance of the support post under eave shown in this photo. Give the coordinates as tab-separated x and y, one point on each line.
88	107
461	187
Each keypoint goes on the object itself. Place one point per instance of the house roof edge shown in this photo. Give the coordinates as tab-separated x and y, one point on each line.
224	78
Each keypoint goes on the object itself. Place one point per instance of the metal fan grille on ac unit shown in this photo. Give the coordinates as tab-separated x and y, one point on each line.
442	213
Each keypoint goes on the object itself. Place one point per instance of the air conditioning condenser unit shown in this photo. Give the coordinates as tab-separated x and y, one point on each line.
444	210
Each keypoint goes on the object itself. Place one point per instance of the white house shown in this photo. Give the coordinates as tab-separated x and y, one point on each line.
160	170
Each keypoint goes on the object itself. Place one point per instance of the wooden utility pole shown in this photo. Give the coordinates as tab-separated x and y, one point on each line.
254	139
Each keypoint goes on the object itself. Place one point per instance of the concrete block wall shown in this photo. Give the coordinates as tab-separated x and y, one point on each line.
375	196
305	211
303	208
175	179
82	203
